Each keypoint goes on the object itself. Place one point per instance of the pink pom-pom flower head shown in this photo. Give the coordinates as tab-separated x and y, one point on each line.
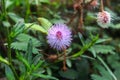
59	36
103	19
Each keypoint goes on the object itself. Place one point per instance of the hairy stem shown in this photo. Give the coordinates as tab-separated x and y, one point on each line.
101	5
64	61
80	26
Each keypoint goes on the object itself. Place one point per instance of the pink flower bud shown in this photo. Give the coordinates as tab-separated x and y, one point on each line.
94	3
104	19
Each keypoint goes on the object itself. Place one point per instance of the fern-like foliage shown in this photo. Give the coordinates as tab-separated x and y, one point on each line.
103	49
116	66
22	40
117	73
19	46
103	74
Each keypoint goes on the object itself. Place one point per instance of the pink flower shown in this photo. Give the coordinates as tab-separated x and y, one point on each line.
94	3
59	36
104	19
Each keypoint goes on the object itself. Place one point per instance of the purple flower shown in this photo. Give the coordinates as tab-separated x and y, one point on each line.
59	36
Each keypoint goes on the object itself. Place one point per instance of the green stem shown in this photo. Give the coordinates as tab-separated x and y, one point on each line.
37	7
28	9
4	12
85	47
9	44
108	69
9	54
8	41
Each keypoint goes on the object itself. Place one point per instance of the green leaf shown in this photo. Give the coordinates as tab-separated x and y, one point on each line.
6	23
86	47
49	72
114	59
17	29
26	38
91	28
19	46
69	63
69	74
93	51
8	3
29	51
103	40
90	18
22	68
4	60
104	49
117	73
104	74
23	60
44	76
45	23
81	38
97	77
38	58
45	1
9	73
116	26
107	68
22	40
14	17
82	67
35	27
38	65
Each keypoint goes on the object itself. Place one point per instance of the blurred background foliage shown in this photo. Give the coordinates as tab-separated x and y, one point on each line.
23	25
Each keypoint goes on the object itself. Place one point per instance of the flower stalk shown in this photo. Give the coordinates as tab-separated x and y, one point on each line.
101	6
64	61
